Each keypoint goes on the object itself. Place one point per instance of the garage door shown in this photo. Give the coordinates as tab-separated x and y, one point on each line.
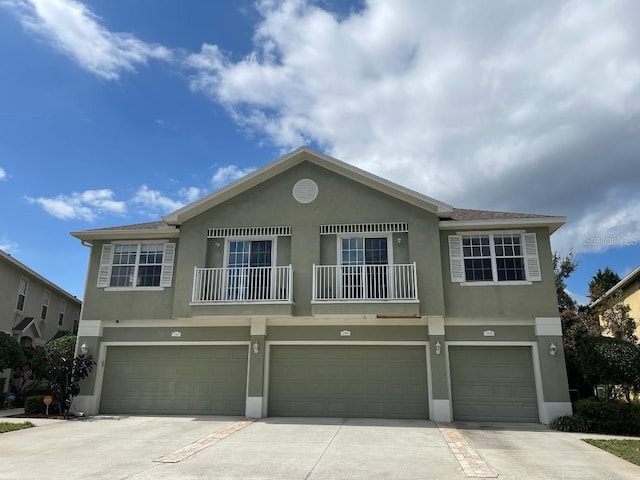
175	380
493	384
348	381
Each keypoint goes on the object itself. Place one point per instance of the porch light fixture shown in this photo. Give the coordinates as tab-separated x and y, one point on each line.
84	349
552	349
256	348
438	348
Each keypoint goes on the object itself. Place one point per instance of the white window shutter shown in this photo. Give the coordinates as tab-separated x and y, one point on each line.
531	257
105	265
168	258
456	260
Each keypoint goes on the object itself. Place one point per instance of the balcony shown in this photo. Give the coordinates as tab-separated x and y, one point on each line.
365	283
242	285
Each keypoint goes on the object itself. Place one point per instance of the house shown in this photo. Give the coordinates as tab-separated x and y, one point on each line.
629	288
313	288
32	308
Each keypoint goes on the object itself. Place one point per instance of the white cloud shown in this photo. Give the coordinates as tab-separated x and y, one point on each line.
87	205
3	174
76	31
153	203
522	106
8	246
228	174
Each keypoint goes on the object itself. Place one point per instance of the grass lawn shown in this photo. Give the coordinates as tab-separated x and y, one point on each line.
10	427
629	450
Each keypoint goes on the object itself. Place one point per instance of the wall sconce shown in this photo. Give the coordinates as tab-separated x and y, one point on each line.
552	349
84	349
256	348
438	348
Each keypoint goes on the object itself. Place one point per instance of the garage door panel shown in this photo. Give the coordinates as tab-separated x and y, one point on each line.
175	380
493	384
353	381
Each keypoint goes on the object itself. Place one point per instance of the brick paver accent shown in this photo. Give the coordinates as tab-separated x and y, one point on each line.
472	464
185	452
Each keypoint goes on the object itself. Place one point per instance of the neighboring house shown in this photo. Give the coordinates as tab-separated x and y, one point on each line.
313	288
629	287
32	309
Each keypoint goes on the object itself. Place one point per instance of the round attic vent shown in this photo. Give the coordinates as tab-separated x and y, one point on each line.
305	190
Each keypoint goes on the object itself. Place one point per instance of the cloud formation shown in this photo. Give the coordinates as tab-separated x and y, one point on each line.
3	174
521	106
72	28
153	203
87	205
228	174
8	246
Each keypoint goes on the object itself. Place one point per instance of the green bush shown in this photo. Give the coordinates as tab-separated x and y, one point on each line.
33	405
570	423
613	416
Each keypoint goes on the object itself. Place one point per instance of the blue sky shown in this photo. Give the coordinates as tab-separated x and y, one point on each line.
115	112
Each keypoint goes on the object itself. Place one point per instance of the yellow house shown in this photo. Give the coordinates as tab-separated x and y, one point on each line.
630	288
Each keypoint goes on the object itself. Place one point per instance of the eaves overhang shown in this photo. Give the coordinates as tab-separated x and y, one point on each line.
127	234
553	223
635	273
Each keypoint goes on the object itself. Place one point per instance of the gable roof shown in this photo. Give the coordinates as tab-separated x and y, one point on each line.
294	158
634	275
451	218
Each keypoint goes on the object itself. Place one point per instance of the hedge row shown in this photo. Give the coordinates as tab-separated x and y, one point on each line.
614	417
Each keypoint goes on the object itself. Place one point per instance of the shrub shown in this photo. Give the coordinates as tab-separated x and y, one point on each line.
570	423
33	405
613	416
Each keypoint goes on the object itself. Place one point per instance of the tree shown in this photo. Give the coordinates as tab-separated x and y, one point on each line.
64	371
30	374
562	269
601	282
11	353
610	361
614	316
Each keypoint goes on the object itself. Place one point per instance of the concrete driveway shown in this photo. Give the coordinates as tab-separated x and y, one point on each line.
294	448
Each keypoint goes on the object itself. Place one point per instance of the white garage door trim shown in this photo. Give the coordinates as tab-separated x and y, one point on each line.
267	364
537	375
94	402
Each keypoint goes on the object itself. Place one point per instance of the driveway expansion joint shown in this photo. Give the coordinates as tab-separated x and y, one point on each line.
185	452
469	460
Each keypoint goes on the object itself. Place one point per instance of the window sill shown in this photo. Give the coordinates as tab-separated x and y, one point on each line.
494	284
133	289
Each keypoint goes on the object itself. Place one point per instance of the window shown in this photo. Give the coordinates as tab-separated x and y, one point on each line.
45	304
22	293
63	308
364	267
76	322
136	265
249	269
494	257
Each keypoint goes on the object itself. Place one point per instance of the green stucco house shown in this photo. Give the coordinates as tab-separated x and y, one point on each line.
313	288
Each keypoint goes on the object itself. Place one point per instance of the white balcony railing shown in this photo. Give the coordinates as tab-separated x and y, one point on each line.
358	283
242	284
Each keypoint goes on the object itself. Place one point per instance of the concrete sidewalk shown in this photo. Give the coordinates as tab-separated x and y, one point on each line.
296	448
